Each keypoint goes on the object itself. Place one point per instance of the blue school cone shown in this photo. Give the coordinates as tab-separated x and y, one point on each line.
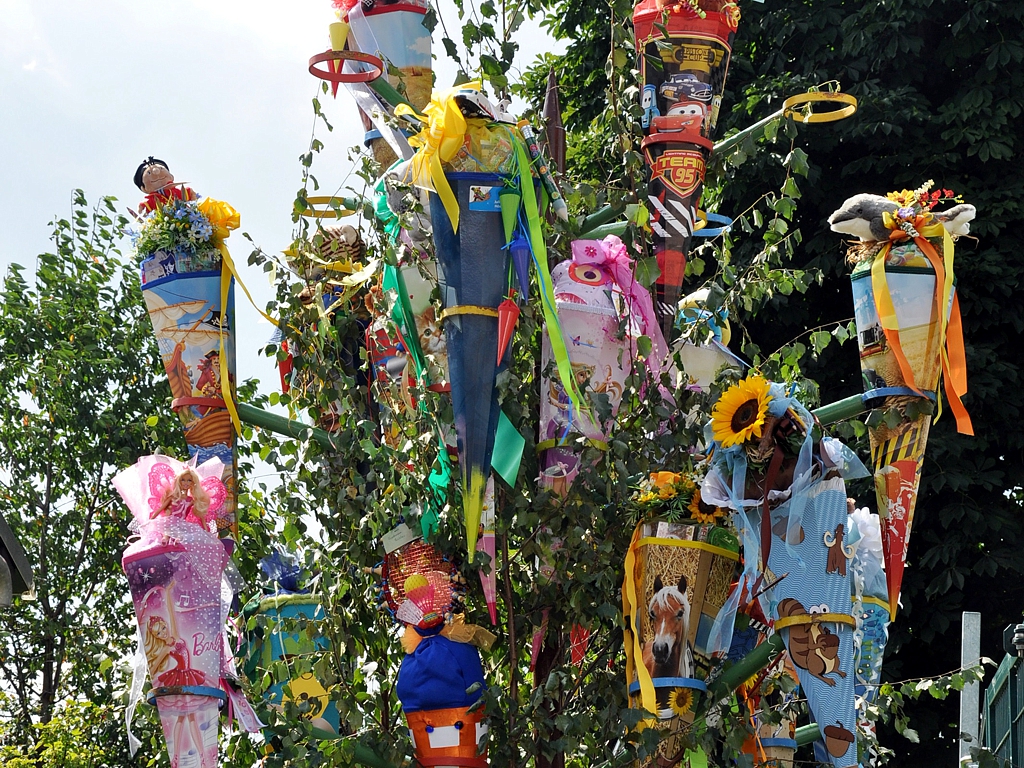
475	268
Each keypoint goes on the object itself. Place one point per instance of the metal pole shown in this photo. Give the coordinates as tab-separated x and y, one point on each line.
970	697
755	130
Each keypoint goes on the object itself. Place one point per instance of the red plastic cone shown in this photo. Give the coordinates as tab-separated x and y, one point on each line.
508	316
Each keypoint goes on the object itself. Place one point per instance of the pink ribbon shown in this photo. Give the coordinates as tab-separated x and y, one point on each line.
612	256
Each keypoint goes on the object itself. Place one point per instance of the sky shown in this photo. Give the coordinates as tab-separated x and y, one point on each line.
218	89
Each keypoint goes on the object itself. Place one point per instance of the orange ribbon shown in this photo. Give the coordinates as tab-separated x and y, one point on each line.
954	359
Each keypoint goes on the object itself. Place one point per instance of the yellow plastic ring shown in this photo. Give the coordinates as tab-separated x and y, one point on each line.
701	222
327	212
789	106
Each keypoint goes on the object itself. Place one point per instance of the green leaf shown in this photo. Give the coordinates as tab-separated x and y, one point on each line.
796	161
647	271
643	346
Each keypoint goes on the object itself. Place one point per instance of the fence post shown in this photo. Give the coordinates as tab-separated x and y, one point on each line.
970	697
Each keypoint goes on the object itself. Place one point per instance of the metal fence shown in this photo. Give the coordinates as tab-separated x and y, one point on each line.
1004	711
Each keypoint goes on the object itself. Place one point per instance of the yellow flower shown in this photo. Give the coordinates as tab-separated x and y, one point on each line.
903	197
680	700
740	412
664	483
701	512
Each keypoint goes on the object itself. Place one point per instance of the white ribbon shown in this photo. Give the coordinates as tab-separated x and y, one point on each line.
361	38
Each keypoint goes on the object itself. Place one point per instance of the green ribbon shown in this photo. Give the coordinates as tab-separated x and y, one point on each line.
508	450
547	291
405	322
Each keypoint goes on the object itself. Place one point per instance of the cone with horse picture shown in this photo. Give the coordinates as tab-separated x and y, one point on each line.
677	579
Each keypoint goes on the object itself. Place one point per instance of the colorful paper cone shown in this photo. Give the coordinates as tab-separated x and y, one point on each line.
489	580
475	267
395	33
677	578
593	291
282	645
812	609
508	317
517	243
681	100
189	294
907	293
175	571
441	677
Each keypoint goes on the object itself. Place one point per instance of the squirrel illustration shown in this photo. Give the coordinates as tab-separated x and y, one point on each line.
811	646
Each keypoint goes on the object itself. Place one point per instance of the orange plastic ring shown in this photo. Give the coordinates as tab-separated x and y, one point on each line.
789	106
346	77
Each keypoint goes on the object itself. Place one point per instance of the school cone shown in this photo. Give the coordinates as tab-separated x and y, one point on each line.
189	296
681	573
909	334
515	241
475	267
397	35
681	100
174	570
487	544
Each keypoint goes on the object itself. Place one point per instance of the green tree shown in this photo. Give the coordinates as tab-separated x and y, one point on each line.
939	91
79	376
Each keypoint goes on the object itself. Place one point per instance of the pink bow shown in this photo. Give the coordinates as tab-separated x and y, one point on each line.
611	255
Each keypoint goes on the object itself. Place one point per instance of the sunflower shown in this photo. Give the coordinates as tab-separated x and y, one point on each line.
740	412
701	512
680	700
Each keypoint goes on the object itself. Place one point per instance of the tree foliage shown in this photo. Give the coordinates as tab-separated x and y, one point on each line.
939	90
79	375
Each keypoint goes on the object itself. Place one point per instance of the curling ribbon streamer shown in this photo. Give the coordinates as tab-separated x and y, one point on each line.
540	255
954	362
438	143
404	320
634	650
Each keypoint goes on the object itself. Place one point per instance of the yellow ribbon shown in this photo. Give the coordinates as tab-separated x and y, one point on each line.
222	217
951	347
227	271
815	618
438	143
631	612
687	544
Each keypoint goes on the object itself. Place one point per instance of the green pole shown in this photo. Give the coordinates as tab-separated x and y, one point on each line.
615	228
807	734
840	410
600	217
257	417
751	664
754	130
386	91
